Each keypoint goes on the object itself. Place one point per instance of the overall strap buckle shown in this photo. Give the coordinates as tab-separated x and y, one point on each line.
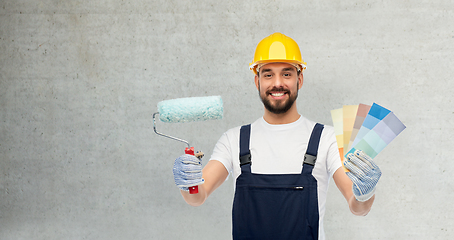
312	147
245	154
309	159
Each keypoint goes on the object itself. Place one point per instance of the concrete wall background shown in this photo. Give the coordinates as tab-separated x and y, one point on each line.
79	81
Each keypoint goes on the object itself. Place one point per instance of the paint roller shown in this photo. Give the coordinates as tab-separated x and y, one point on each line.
182	110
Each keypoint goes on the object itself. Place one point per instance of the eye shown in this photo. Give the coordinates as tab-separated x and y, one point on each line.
287	74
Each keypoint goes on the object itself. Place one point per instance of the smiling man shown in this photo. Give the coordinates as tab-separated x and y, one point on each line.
282	162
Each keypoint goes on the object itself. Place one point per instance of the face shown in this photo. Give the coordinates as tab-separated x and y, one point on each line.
278	85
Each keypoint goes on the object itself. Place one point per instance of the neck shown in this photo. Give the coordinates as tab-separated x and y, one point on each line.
290	116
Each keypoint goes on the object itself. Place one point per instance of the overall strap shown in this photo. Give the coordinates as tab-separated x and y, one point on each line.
312	148
245	154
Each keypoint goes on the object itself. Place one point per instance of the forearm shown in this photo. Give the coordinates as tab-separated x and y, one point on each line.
344	184
195	199
360	208
214	174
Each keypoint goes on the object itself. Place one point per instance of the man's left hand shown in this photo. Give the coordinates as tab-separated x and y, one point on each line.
364	174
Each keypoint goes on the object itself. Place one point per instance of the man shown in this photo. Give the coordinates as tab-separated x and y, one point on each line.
282	162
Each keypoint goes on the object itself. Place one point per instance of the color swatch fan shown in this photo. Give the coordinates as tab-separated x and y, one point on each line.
364	127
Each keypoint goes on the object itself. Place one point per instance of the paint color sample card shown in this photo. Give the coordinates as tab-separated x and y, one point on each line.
379	136
349	116
374	116
364	127
361	114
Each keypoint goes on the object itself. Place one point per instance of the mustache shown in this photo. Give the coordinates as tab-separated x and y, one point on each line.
278	89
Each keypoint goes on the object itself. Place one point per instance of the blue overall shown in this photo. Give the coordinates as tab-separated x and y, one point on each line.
276	206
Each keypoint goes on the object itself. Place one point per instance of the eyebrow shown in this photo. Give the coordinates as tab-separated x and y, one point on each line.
283	70
265	70
288	69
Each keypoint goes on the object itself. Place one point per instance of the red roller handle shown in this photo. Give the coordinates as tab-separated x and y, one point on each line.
193	189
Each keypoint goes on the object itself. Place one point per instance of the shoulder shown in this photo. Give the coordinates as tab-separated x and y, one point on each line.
232	135
328	130
235	131
309	125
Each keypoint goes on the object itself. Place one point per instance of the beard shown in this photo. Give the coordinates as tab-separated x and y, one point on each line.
278	106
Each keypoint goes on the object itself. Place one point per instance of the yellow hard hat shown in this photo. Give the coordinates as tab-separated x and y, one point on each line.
277	48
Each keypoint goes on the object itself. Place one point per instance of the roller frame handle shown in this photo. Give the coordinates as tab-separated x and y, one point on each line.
193	189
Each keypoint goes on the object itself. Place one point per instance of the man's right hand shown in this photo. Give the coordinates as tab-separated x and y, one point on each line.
187	172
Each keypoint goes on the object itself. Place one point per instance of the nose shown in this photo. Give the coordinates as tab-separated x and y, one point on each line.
278	81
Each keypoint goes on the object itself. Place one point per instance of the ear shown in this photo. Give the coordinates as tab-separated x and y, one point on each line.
256	79
300	81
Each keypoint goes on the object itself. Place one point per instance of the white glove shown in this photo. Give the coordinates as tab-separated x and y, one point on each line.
187	172
364	174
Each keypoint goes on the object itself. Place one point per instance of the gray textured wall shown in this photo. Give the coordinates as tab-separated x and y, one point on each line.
79	81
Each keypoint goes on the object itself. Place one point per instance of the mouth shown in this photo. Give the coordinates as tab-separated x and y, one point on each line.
278	94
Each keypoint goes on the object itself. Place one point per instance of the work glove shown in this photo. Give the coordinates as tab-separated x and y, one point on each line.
187	172
364	174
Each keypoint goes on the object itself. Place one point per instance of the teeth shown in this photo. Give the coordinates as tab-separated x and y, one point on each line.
277	94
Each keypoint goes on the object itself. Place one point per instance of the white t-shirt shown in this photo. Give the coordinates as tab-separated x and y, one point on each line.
280	149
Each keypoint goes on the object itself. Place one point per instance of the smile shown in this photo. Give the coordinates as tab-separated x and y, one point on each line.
277	94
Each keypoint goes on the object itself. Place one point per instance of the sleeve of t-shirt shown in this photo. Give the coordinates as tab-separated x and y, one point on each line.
222	152
334	162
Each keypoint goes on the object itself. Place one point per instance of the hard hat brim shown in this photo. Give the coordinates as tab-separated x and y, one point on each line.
301	65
